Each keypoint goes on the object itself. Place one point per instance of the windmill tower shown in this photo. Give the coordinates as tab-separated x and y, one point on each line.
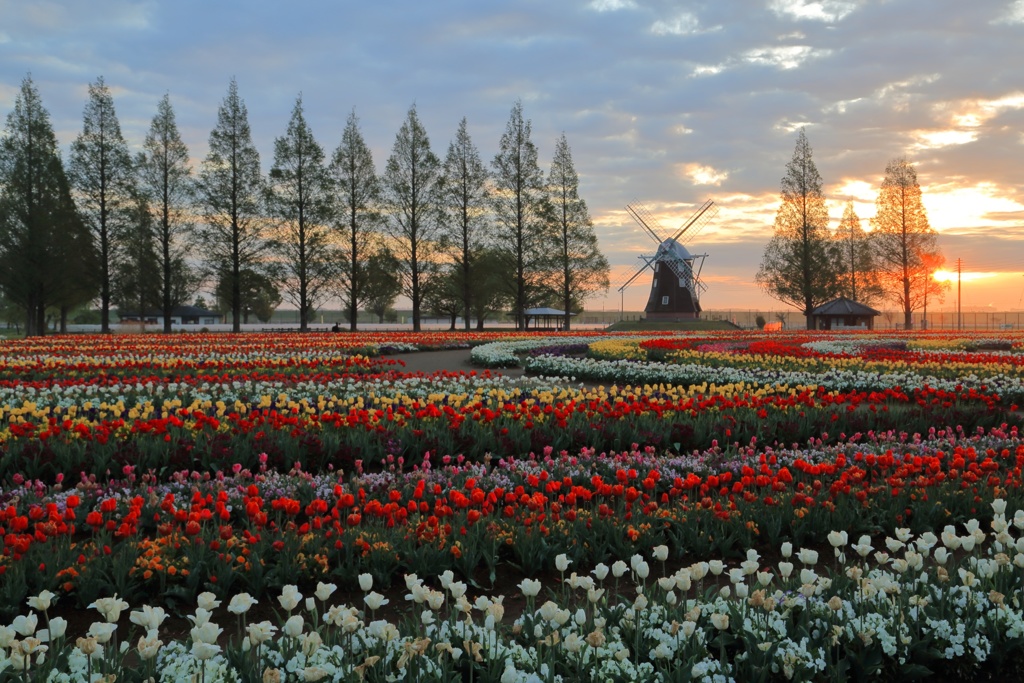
676	287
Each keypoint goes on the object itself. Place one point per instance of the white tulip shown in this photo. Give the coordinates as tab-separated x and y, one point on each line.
25	625
720	621
148	647
293	626
785	569
643	570
808	556
203	651
290	597
619	568
102	631
241	603
58	627
325	590
837	538
786	549
208	601
548	610
573	643
530	587
562	562
261	632
660	552
202	616
716	567
42	602
600	571
207	633
375	601
110	608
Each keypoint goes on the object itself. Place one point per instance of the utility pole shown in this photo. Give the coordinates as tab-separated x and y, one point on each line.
959	320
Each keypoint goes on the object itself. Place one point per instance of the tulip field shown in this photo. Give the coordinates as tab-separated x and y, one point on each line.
726	506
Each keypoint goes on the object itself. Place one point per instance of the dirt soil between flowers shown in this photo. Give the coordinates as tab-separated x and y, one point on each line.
455	360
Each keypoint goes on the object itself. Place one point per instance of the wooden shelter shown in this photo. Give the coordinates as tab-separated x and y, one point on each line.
545	318
843	314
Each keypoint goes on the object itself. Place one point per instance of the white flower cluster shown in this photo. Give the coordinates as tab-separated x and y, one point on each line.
955	596
689	374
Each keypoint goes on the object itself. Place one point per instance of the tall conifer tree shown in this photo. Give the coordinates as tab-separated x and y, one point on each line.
230	188
856	264
410	187
166	179
581	268
301	200
798	267
103	177
464	200
46	252
358	194
904	241
520	206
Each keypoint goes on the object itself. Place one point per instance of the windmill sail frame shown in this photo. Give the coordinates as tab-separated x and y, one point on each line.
676	286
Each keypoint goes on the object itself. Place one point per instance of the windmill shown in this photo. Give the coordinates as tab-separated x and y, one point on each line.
676	288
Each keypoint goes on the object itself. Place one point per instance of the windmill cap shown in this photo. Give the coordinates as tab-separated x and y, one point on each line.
676	250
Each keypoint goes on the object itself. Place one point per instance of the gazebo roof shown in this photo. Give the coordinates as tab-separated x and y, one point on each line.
544	311
844	306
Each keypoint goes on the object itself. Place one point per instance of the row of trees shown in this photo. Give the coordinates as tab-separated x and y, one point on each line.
806	264
144	231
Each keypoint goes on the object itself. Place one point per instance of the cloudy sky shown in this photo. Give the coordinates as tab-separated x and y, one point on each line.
663	102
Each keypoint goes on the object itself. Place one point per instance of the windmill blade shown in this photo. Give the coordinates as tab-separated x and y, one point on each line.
646	219
648	263
699	219
701	224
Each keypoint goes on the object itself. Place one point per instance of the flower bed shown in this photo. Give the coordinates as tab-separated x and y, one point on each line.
176	471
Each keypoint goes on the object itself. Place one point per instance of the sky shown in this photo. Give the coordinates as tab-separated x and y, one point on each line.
664	103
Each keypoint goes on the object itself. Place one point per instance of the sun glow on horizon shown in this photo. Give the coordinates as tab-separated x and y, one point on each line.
965	276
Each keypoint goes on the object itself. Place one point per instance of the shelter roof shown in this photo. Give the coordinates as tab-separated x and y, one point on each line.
844	306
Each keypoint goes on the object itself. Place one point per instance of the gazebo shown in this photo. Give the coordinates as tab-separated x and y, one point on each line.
843	314
545	318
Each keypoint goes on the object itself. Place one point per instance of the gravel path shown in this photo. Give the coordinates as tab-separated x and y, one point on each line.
453	361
